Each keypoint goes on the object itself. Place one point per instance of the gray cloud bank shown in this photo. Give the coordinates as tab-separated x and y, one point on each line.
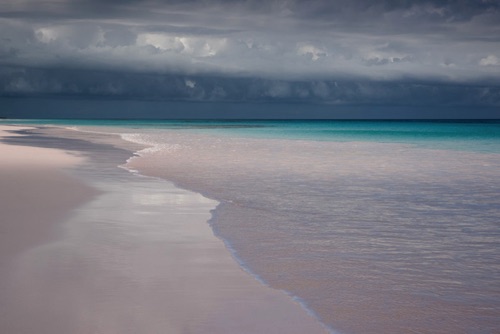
331	52
198	88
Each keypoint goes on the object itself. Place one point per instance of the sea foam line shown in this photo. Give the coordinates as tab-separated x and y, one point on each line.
153	147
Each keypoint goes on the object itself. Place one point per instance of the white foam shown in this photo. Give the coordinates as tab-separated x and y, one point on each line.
154	146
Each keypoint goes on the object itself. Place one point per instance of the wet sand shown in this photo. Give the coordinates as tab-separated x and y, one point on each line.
138	258
35	193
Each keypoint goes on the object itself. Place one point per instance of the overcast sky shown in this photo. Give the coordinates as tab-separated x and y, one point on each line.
329	52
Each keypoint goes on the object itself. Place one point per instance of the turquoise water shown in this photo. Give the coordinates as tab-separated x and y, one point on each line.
480	136
378	228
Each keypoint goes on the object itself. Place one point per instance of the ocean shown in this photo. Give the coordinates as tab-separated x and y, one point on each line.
375	227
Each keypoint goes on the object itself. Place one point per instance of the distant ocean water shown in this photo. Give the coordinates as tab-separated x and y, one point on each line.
476	136
377	227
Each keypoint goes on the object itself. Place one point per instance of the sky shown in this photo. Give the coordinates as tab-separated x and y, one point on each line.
438	58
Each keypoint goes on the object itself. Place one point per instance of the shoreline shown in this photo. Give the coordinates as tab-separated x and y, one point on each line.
216	294
142	149
211	222
225	169
36	193
149	148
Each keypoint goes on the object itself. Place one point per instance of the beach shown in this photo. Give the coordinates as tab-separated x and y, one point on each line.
87	247
248	167
251	227
35	194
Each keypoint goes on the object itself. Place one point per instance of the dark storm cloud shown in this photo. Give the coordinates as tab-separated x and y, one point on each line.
356	51
105	84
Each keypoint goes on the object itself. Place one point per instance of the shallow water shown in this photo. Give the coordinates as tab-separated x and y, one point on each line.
477	136
373	237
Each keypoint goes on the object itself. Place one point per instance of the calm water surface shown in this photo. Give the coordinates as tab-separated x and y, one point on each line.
378	227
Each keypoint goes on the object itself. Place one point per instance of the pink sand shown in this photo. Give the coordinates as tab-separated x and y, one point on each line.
181	281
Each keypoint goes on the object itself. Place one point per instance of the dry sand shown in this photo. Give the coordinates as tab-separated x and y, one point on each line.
140	258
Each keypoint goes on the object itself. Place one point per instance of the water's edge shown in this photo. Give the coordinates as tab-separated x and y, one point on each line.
211	222
360	230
